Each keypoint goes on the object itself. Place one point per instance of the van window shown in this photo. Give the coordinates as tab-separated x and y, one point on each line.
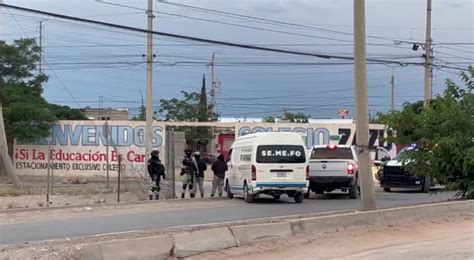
280	154
328	153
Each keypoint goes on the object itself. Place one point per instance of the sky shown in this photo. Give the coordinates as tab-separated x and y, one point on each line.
86	63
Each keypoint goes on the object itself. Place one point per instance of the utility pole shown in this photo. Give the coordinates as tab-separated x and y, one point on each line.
427	87
149	81
213	102
214	83
107	185
40	66
362	118
143	104
392	81
101	109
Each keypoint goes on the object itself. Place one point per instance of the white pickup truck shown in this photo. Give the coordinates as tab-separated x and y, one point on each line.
333	167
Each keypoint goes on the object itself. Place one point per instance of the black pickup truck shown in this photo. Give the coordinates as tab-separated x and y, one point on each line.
394	175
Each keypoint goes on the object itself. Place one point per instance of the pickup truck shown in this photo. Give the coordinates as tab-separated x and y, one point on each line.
333	167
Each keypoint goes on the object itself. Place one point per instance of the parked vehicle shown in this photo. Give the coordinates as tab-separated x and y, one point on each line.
273	163
333	167
395	175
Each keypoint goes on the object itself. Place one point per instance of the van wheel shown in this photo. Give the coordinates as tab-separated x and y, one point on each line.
353	191
247	196
227	190
299	196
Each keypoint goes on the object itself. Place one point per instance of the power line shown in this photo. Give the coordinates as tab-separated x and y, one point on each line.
231	24
454	43
266	21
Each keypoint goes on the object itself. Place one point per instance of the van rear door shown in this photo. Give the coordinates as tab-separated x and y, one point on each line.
280	164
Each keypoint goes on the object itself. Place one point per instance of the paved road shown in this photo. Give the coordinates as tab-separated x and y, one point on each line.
224	210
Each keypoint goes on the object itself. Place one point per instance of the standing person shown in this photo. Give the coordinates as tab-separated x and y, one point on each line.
156	170
219	167
188	171
202	167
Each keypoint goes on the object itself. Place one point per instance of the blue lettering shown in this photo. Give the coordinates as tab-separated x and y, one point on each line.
125	135
321	136
310	138
139	136
61	138
157	138
101	137
243	130
89	135
259	130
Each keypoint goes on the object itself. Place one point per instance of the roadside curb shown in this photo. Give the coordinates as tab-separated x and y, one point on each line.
214	239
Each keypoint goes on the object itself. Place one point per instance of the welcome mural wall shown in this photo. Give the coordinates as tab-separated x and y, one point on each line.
78	148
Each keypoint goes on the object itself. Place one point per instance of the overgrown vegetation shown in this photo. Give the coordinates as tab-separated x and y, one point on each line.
27	115
443	133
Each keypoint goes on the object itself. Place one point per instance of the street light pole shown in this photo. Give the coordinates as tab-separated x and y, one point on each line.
392	82
427	87
362	118
149	81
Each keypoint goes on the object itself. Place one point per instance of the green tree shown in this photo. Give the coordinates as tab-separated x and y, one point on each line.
203	115
202	133
66	113
24	114
444	134
141	114
269	119
192	108
27	115
184	110
296	117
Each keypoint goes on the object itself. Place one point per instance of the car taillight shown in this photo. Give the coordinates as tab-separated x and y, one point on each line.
350	168
332	146
254	173
307	172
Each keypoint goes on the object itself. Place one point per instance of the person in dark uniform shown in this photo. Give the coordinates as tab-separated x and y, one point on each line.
156	170
189	169
199	180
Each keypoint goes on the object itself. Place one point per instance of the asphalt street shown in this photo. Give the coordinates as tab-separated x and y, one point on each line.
227	210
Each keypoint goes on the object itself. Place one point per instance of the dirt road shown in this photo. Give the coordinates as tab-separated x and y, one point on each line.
435	239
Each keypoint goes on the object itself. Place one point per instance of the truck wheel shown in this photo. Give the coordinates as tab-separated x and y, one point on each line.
386	189
426	186
247	196
227	190
353	191
299	196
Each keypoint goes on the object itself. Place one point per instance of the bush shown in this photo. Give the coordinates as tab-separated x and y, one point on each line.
444	134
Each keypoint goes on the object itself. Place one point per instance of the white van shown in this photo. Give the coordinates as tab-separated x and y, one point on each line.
273	163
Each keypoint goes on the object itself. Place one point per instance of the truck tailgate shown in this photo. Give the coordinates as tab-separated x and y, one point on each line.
328	167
